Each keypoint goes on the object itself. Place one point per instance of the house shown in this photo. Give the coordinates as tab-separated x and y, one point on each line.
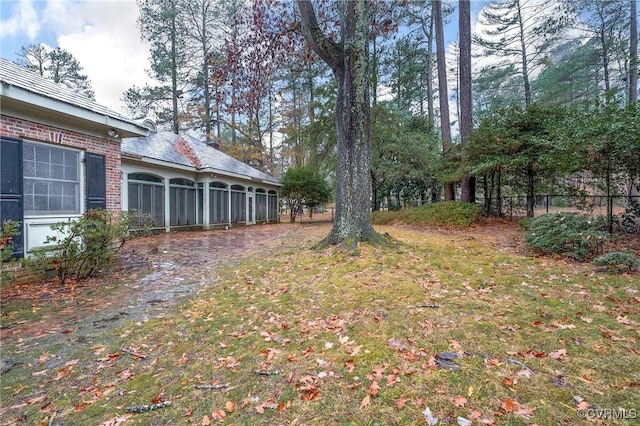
59	154
62	154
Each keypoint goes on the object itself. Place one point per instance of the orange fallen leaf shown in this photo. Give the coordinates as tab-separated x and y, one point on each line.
508	382
230	406
218	415
365	401
206	421
459	401
401	402
509	405
374	387
182	360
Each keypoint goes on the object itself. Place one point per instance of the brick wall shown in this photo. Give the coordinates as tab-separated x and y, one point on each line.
29	130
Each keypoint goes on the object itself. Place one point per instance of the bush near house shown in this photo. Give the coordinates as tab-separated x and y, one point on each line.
9	230
84	246
568	234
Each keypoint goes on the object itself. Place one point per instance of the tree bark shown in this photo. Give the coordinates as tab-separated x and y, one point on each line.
443	92
465	119
349	61
633	54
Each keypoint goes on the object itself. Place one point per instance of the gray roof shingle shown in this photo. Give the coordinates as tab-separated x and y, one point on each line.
169	147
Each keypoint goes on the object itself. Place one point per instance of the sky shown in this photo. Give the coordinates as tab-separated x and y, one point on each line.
101	34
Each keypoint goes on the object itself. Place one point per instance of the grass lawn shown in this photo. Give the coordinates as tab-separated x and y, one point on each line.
338	338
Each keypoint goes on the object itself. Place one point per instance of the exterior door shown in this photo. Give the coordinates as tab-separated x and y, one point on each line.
251	210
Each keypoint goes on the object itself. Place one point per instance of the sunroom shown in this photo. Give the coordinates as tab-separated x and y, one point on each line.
179	181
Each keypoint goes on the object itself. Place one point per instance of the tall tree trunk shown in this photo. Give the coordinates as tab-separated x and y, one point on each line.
604	45
531	191
465	119
525	61
349	62
374	73
174	69
633	54
207	99
430	112
443	92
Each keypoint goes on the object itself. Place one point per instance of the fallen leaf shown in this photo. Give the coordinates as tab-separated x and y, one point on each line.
559	354
117	420
182	360
350	365
396	344
400	403
475	414
508	382
365	401
218	415
269	403
509	405
459	401
230	406
374	387
206	421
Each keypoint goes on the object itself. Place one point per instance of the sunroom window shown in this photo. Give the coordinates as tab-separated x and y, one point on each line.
51	179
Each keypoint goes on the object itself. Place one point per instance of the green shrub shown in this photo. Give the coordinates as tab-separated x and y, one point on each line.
525	223
9	230
389	217
84	246
445	213
617	261
569	234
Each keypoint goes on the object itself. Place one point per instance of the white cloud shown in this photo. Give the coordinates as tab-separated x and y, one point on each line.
23	19
109	49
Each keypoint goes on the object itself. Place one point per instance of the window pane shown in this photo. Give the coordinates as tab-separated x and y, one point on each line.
28	202
42	154
40	187
42	170
71	172
69	204
52	179
57	172
55	203
28	152
55	188
41	202
57	156
29	168
71	158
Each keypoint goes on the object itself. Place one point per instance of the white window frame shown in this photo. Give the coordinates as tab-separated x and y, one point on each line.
80	199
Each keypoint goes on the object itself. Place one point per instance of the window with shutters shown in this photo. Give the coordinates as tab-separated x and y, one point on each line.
51	179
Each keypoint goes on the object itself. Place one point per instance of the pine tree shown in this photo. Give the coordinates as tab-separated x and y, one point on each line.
56	64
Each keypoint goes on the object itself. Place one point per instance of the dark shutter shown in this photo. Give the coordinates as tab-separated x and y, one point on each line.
11	198
96	181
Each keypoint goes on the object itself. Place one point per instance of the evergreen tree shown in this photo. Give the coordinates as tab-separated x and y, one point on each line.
56	64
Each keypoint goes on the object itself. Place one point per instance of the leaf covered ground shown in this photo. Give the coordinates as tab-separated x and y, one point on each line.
460	326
